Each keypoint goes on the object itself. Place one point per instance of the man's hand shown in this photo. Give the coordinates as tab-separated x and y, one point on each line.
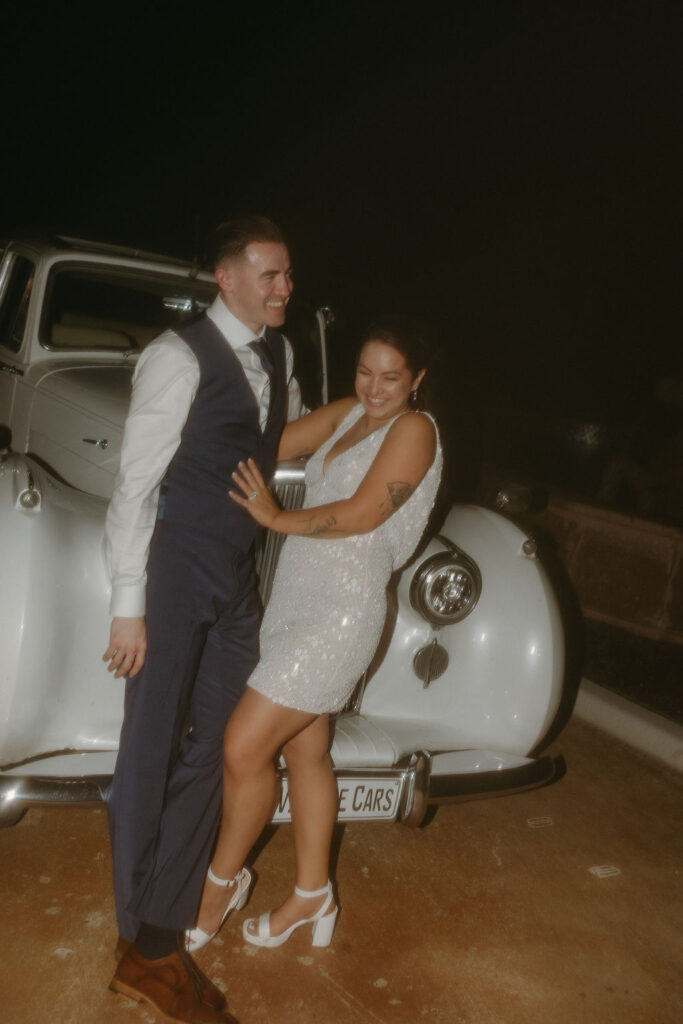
127	646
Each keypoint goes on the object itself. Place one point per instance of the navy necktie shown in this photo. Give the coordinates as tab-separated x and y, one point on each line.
260	346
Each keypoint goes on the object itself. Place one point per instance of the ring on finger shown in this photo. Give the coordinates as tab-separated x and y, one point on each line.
254	494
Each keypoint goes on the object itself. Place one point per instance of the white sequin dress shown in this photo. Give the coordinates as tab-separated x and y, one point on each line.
328	603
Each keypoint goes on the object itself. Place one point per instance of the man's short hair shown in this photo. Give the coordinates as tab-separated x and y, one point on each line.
229	239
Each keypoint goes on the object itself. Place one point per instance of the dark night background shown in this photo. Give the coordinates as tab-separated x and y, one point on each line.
509	170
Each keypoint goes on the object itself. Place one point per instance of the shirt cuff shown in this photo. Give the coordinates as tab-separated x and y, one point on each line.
127	602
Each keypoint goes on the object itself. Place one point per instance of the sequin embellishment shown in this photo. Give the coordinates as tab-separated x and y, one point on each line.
328	603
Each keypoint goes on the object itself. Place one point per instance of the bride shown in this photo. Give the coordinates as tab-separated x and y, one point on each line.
370	486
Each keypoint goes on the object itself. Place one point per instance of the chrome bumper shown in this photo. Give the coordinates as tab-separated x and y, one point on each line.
19	792
371	794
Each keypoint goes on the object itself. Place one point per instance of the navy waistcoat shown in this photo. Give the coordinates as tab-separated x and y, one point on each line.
222	427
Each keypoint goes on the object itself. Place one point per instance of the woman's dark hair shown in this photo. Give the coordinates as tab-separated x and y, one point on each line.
407	338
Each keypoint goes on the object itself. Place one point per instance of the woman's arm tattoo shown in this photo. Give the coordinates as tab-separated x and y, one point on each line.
316	525
398	494
315	529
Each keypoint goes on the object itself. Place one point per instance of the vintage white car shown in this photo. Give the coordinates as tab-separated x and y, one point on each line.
470	680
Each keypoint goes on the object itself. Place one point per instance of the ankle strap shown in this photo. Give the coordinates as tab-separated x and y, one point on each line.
316	892
222	881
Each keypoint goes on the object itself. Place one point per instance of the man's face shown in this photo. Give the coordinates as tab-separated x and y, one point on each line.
256	287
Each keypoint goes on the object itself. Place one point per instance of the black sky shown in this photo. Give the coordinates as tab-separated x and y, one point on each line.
511	170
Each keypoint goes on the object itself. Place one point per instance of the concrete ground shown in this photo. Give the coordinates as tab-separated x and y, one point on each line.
559	906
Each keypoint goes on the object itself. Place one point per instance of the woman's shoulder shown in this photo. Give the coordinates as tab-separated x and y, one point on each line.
415	427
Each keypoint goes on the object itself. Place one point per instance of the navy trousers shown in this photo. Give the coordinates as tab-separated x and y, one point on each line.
165	800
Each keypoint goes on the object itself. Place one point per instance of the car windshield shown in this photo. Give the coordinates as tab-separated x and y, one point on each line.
120	309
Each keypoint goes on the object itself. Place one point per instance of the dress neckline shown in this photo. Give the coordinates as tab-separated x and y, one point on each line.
337	436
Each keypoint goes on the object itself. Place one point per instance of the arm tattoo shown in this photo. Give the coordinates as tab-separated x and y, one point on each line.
399	492
315	529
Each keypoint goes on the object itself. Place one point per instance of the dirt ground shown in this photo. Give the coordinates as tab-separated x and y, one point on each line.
561	905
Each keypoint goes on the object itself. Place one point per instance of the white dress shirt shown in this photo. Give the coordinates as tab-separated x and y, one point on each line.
164	386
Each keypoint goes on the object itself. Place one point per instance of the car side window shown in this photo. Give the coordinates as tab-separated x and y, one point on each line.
90	307
14	307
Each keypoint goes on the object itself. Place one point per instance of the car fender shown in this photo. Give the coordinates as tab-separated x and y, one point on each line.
503	683
55	692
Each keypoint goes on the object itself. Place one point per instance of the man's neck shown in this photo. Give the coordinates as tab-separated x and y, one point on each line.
255	328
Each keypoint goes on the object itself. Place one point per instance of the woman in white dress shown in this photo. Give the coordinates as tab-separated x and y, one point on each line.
370	486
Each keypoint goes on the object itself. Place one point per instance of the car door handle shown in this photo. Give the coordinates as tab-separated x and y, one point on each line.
11	369
102	443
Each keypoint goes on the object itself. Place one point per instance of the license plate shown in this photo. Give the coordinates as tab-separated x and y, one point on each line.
370	799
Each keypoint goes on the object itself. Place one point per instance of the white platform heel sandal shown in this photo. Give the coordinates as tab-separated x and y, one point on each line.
323	922
195	938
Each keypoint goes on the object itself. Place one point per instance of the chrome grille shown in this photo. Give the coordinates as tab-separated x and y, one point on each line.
290	489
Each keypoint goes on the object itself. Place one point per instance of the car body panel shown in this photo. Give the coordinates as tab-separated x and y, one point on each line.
77	421
55	692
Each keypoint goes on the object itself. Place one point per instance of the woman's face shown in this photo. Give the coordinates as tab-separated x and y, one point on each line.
383	381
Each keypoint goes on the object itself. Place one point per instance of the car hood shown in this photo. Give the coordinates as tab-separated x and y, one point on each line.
103	391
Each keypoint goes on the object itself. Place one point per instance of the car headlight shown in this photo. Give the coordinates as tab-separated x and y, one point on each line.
445	587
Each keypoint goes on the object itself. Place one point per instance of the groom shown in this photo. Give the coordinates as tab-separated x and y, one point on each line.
184	600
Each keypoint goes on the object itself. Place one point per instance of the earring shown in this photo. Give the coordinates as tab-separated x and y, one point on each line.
413	398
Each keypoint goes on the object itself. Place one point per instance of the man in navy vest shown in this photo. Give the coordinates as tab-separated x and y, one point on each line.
184	600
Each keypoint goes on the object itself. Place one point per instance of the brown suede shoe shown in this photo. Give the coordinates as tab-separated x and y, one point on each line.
169	985
208	992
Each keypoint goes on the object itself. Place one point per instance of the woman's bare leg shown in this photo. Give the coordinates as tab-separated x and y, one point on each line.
257	729
313	802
